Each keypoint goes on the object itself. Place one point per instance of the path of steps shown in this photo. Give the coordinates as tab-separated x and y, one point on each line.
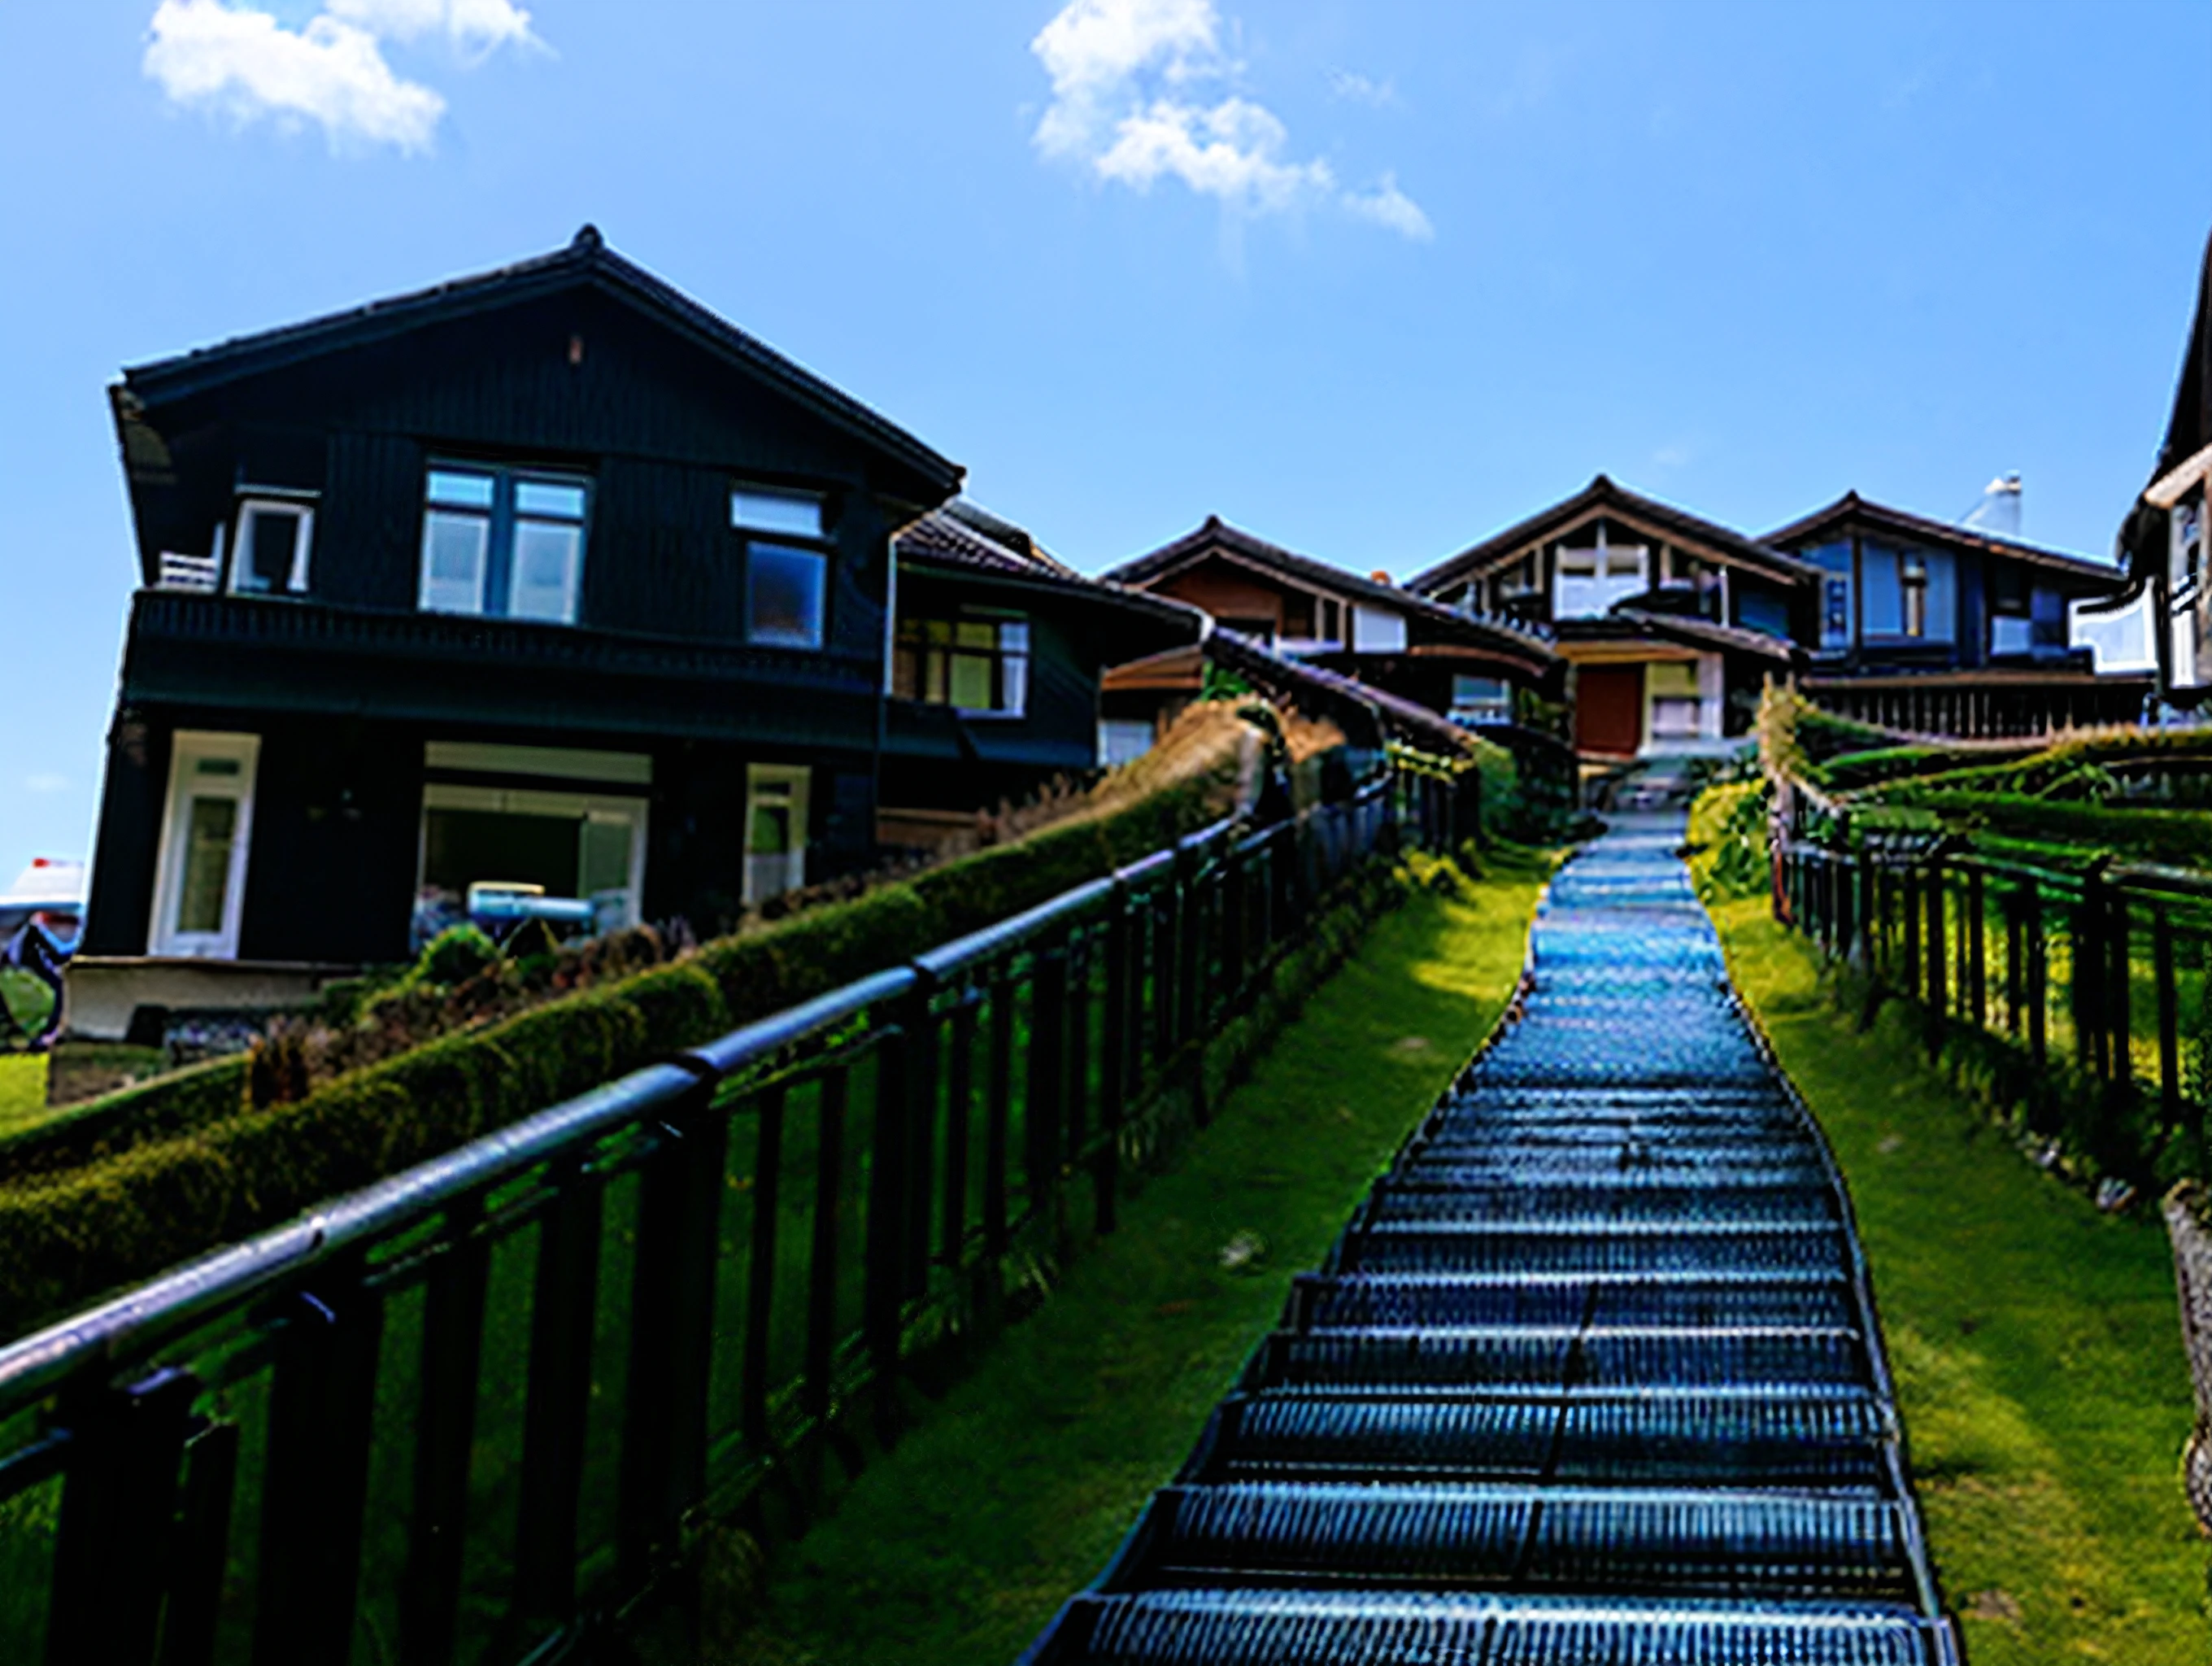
1592	1375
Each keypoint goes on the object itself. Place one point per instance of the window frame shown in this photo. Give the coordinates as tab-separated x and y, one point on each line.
999	656
187	749
769	532
502	518
253	503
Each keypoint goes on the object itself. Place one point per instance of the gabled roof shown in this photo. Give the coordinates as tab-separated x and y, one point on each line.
2185	457
964	541
1216	537
1699	632
1852	509
585	262
960	534
1603	497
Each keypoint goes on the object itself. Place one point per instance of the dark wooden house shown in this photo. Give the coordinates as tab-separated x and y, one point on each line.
1949	630
1670	622
548	577
2166	540
1484	670
996	660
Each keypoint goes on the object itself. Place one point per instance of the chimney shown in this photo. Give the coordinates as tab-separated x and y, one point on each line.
1999	510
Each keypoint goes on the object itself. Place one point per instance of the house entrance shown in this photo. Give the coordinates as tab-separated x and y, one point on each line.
205	831
1609	709
775	831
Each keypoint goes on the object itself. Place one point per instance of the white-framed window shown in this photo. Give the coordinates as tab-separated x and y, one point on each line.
269	557
775	831
207	825
587	848
506	542
1591	580
787	581
1675	708
978	662
1481	699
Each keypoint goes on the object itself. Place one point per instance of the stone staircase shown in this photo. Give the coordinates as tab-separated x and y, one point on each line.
1592	1375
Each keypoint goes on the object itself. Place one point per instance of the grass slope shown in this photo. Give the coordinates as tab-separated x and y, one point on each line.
2036	1345
1022	1481
23	1089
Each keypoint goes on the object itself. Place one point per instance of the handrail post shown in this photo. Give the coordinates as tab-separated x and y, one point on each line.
671	1319
2169	1026
445	1432
1937	991
322	1407
1113	1064
563	1311
883	1274
112	1541
918	1068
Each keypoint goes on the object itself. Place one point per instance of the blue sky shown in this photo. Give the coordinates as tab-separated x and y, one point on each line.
1373	280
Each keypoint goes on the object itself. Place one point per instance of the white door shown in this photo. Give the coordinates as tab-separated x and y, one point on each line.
206	828
775	831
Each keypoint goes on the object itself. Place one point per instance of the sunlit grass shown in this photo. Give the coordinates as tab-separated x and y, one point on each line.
2036	1345
23	1089
1013	1494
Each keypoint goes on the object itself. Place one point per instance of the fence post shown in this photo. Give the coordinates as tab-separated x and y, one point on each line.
1112	1063
1908	879
322	1409
1977	962
1938	996
2118	995
445	1431
663	1441
117	1505
2169	1024
563	1317
2085	991
883	1284
2038	980
2014	912
918	1025
760	1269
1045	1105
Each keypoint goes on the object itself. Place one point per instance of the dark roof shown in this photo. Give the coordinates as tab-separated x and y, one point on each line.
1603	494
1216	535
1707	633
2188	430
586	262
1331	694
1851	507
949	542
2142	544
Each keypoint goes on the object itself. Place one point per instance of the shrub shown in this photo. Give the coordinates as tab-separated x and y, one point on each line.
1728	837
455	955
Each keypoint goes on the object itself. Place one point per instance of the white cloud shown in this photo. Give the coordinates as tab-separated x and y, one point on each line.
45	783
1351	85
332	70
475	25
1387	205
1126	105
1231	151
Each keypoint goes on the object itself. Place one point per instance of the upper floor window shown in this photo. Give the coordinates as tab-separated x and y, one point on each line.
1912	580
785	535
1591	580
977	663
269	557
506	542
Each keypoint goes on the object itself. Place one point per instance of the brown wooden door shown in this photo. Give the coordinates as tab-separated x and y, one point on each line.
1609	709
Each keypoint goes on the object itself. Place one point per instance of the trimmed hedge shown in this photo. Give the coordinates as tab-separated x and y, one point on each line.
2180	837
145	1178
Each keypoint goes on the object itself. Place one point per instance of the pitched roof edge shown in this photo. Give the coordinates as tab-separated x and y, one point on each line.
586	259
1604	491
1850	505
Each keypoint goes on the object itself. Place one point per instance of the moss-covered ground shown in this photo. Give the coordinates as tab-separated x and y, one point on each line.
1019	1484
2036	1345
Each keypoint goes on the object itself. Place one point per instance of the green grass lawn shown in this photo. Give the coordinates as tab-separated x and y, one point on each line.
23	1089
1019	1485
2036	1345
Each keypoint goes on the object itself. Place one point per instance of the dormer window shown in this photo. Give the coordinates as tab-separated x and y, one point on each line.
506	542
784	536
270	556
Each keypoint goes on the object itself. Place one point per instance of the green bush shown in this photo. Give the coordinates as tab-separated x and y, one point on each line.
150	1177
1728	837
2181	838
455	955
